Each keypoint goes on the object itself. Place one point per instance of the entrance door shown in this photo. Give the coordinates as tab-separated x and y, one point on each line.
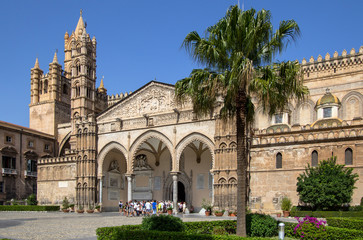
181	192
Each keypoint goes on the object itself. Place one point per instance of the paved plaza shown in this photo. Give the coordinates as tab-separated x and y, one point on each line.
59	225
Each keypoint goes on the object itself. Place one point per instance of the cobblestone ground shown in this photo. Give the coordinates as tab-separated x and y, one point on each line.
59	225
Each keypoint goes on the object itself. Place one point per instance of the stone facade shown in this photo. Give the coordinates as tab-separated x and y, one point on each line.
143	145
20	147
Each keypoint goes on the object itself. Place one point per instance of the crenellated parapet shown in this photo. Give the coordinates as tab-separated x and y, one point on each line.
56	160
115	98
308	133
335	64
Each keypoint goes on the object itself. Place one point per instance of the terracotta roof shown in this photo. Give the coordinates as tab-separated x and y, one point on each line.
26	129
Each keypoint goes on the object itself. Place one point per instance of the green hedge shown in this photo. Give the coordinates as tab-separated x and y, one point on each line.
350	223
325	214
28	208
105	233
148	235
206	227
334	233
167	223
258	225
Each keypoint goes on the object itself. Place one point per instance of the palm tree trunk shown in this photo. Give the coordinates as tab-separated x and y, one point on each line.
241	103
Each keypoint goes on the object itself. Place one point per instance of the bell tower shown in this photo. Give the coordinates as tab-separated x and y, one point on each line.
80	66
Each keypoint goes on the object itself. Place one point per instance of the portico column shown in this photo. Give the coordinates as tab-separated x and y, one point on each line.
129	188
175	193
101	184
212	187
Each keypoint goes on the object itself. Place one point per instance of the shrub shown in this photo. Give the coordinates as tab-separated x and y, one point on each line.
106	233
163	223
219	230
325	214
208	226
146	235
333	233
28	208
327	186
286	204
207	205
32	200
260	225
349	223
65	203
310	228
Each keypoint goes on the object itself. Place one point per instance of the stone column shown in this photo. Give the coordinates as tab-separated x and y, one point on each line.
101	184
212	187
129	188
175	193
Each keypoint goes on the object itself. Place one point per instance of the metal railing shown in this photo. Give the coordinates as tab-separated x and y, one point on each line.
9	171
30	174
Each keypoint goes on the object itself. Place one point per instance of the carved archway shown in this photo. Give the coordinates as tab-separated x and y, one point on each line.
137	144
168	188
190	139
105	150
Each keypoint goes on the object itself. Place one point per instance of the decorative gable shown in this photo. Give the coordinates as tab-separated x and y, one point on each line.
153	98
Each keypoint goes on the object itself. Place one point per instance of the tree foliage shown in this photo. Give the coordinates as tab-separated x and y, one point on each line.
237	53
327	186
32	200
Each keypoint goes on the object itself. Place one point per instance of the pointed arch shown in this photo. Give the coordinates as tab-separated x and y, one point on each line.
305	113
191	138
64	141
346	110
222	180
135	146
105	150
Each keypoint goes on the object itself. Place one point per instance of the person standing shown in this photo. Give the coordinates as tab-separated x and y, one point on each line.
120	206
154	207
148	208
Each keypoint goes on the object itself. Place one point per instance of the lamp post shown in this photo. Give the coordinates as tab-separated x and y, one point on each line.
281	231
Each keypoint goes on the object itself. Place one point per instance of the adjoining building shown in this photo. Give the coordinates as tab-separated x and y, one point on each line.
143	145
20	148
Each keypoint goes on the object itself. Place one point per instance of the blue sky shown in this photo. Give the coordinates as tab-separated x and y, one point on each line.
139	41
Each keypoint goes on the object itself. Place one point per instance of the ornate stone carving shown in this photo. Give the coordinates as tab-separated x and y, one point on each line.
154	98
114	166
141	163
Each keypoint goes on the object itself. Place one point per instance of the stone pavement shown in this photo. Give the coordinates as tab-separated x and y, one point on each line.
59	225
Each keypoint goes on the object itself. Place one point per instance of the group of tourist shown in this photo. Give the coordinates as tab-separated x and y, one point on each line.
147	208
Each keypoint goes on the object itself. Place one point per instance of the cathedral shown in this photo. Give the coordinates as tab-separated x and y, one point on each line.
144	145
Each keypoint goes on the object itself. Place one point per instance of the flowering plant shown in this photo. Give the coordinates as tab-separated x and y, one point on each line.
310	228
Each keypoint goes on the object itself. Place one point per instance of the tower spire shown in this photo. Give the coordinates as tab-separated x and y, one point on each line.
102	88
55	58
36	65
80	26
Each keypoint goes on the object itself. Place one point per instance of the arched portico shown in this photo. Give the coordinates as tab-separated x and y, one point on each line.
195	155
192	138
151	161
137	145
112	162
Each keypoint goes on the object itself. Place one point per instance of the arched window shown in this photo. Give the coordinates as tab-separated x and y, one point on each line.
278	160
78	90
348	156
40	87
46	86
65	89
314	159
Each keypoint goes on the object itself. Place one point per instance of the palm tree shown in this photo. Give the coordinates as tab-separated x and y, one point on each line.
238	54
